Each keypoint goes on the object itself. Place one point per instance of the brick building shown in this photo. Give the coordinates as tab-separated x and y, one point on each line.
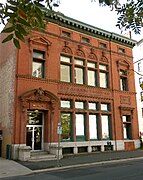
74	75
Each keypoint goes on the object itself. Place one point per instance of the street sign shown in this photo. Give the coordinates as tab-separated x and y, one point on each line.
59	130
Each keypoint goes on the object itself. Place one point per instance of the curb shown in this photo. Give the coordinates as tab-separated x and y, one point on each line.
86	164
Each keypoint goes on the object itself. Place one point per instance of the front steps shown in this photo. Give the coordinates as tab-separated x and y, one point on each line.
41	156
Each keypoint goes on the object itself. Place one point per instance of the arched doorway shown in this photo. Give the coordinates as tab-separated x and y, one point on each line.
38	112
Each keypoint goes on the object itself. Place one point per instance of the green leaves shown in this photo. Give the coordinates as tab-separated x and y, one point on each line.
9	29
22	16
131	16
16	43
8	38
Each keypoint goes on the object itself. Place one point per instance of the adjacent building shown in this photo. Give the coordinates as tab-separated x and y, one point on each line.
138	69
71	85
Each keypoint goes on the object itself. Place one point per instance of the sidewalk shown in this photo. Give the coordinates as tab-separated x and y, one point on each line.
12	168
9	168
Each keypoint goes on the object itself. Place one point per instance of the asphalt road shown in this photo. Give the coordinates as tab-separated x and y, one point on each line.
130	170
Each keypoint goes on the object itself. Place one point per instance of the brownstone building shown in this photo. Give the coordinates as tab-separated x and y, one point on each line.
74	75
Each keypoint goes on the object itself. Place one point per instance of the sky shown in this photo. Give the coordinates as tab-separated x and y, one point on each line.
91	13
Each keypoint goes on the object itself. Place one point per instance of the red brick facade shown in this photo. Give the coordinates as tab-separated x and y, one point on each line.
28	93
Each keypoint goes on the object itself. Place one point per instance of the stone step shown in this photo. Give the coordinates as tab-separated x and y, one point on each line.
41	156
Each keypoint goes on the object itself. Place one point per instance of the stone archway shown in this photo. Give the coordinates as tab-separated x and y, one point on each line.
45	102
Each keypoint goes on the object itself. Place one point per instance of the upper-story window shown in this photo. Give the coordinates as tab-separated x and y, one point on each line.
65	69
85	40
123	80
140	80
103	75
79	71
92	74
121	50
38	64
103	45
139	66
66	34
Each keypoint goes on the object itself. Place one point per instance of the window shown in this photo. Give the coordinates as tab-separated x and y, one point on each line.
37	69
139	67
92	74
140	80
79	105
123	80
92	126
99	126
65	69
38	64
79	71
92	105
141	94
102	45
80	132
66	34
66	126
105	126
103	76
121	50
126	127
85	40
105	107
65	104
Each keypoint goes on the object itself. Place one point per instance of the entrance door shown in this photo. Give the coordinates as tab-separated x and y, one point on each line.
34	137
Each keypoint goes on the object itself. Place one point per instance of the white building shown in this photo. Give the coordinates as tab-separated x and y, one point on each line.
138	68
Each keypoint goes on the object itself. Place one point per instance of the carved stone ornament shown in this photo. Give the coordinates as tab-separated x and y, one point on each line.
104	59
67	50
37	96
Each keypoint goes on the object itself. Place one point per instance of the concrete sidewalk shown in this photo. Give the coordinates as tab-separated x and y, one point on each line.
10	168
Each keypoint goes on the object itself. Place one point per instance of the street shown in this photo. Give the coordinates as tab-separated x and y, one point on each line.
132	170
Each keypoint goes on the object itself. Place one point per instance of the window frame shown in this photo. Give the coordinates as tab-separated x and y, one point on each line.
94	82
66	64
128	128
79	66
70	127
106	73
123	80
39	60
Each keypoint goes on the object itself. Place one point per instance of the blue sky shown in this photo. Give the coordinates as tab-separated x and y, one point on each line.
90	13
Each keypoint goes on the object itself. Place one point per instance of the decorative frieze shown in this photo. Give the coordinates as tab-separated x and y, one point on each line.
125	100
87	92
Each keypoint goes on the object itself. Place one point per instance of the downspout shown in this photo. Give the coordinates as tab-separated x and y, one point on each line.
113	114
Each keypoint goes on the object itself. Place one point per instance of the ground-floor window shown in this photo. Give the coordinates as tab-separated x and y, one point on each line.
66	126
127	127
83	120
80	127
93	126
105	126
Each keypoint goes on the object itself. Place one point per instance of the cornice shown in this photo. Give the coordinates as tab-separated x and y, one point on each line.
62	20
